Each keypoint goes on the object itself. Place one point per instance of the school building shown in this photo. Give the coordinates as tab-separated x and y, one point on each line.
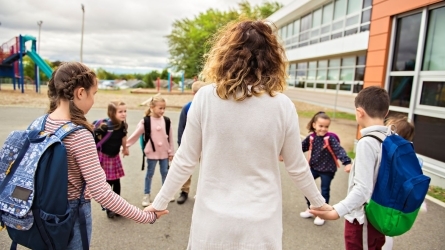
338	47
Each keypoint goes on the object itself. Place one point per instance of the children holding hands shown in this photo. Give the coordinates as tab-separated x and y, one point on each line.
372	104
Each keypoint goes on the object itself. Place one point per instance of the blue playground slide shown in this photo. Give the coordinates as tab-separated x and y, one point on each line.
43	66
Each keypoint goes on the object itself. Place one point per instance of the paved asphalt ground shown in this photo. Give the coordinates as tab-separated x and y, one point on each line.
172	231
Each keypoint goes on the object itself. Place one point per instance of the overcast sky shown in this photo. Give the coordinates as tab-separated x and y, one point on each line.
120	36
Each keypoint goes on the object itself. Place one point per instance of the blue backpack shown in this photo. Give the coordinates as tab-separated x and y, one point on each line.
34	188
400	188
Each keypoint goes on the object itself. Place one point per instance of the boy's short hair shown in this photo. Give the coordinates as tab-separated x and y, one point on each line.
374	100
197	85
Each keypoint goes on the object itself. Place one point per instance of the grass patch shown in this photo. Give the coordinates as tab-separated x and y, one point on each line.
351	155
437	192
338	115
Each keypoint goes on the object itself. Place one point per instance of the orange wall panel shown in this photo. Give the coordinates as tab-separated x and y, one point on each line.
378	42
375	74
376	58
393	7
380	26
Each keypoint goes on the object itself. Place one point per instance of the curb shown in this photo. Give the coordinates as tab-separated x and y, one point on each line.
434	200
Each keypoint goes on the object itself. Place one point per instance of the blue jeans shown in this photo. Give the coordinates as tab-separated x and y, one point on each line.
76	241
151	171
326	179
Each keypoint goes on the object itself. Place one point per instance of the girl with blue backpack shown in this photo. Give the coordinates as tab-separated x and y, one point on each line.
111	136
71	91
324	152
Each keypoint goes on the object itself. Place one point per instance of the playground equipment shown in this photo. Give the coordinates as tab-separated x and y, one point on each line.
11	61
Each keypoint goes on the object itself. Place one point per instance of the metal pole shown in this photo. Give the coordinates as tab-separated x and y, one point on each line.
81	40
40	27
336	97
37	67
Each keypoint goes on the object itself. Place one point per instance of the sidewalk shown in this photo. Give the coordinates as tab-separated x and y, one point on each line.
344	101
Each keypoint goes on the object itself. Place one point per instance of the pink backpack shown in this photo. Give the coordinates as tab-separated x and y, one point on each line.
326	145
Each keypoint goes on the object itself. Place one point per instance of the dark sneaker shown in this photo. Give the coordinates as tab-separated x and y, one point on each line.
182	197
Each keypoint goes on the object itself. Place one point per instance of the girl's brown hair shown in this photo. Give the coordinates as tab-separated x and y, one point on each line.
318	115
156	98
64	80
112	110
402	126
246	53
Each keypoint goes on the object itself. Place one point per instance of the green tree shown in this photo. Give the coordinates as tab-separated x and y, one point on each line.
105	75
29	71
188	41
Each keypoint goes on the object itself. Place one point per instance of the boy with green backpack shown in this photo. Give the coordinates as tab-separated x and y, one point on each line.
386	184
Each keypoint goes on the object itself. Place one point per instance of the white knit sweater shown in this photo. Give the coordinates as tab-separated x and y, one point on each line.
239	197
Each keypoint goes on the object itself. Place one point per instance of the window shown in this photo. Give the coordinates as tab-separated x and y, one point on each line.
333	74
405	48
335	19
297	27
366	16
347	74
289	30
367	3
301	75
354	6
434	49
305	23
423	77
429	136
339	9
400	90
327	13
316	18
361	60
344	74
433	94
359	74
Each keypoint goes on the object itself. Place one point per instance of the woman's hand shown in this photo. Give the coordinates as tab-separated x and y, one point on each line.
325	215
158	213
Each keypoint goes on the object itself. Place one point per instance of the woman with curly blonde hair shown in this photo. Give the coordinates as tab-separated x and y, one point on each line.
239	125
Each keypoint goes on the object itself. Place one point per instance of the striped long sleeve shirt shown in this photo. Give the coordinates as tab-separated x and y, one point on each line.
83	165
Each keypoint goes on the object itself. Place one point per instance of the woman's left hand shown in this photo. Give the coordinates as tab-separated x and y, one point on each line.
158	213
325	215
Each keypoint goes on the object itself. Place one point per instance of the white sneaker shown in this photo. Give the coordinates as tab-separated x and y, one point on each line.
172	199
306	214
146	200
318	221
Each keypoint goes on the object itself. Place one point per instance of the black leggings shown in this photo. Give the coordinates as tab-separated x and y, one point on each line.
115	185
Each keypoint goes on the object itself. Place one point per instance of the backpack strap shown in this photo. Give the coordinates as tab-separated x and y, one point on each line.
66	129
311	144
379	136
147	137
327	145
108	133
167	127
39	123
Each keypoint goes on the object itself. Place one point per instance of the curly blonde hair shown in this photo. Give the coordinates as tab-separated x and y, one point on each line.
246	53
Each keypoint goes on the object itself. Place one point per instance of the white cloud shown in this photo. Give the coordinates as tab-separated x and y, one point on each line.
120	36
